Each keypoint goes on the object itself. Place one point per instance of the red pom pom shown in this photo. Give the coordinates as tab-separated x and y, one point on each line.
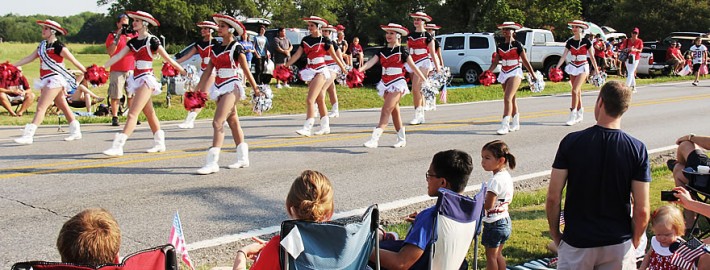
8	74
282	73
168	70
487	78
194	100
96	75
556	75
354	78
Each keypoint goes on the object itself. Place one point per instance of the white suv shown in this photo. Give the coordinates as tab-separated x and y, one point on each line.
467	54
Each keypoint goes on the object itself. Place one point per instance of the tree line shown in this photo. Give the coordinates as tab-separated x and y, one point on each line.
655	18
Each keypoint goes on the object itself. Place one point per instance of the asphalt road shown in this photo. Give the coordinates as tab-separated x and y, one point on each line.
44	184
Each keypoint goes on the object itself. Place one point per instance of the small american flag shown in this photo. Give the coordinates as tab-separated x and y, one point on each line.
687	253
177	239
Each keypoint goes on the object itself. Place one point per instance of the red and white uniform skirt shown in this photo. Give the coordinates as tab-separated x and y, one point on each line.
143	75
578	65
421	60
227	81
314	67
510	69
392	82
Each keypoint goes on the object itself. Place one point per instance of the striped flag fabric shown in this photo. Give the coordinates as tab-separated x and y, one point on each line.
177	239
687	253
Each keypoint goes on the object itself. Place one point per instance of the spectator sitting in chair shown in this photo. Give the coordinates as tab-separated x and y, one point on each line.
689	154
16	91
674	57
81	96
448	169
91	237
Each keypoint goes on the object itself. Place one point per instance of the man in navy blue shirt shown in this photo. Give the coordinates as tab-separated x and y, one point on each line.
607	175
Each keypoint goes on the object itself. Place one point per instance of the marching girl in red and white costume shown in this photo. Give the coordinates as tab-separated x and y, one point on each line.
334	72
55	80
512	58
203	47
423	52
579	47
393	85
225	60
142	83
316	73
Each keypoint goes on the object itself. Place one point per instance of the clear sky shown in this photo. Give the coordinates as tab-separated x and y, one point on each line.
50	7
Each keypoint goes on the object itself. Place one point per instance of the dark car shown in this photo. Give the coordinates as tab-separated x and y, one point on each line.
686	39
294	35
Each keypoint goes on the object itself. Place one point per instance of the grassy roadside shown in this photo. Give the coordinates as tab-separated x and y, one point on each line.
530	231
286	101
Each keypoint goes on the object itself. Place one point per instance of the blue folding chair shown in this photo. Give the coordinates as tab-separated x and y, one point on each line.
330	245
458	223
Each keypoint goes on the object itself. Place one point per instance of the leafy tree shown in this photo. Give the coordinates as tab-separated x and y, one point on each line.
657	18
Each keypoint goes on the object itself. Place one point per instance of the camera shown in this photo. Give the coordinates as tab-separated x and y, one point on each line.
667	195
125	30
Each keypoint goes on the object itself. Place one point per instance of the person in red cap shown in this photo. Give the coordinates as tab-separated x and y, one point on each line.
142	83
202	47
512	58
633	46
316	73
422	50
578	68
55	80
120	71
393	84
335	71
228	89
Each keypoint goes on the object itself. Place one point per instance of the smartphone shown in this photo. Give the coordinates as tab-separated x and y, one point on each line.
667	195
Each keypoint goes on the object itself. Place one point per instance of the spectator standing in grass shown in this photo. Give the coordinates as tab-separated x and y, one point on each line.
603	168
497	227
121	70
282	48
261	44
633	46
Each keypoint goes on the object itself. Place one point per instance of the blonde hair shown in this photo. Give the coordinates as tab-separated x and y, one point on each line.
91	237
669	215
310	197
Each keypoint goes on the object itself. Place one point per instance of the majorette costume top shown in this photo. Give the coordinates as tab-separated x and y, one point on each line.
509	54
204	48
315	48
225	60
418	44
143	50
51	71
578	49
392	61
329	61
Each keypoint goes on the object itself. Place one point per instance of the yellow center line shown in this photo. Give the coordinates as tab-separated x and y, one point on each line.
99	162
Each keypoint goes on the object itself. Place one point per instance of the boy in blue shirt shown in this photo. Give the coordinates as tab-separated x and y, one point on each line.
448	169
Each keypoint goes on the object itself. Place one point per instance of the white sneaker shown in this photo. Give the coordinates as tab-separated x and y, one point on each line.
572	119
286	85
695	83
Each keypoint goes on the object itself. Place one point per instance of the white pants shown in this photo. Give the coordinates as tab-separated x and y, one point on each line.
631	72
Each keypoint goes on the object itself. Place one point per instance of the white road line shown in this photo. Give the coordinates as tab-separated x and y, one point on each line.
357	212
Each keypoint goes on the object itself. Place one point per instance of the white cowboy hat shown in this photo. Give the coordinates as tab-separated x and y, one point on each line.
231	21
579	23
207	24
432	26
143	16
317	20
329	28
395	28
421	15
54	26
510	25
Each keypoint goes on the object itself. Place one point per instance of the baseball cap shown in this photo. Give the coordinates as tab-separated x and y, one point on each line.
636	30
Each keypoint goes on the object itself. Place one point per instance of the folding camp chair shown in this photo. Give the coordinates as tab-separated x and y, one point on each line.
157	258
330	245
699	188
458	223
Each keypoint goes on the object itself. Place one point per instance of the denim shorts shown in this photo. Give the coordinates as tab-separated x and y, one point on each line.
496	233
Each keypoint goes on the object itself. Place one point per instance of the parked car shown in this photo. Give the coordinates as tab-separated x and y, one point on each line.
467	54
659	48
649	67
294	35
540	46
374	74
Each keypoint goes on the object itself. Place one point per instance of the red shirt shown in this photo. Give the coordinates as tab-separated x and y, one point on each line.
673	51
128	62
268	258
20	82
599	52
638	45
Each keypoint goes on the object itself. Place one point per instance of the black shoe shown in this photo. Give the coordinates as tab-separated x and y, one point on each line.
114	121
671	164
138	122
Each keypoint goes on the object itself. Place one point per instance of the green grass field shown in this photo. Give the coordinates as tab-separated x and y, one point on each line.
286	101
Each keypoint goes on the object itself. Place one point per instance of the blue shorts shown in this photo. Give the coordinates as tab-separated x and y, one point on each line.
496	233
